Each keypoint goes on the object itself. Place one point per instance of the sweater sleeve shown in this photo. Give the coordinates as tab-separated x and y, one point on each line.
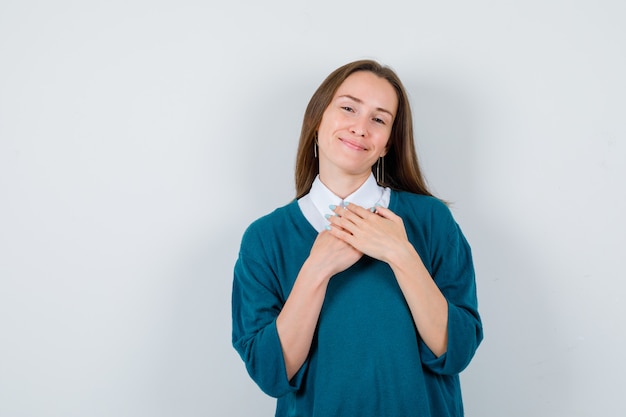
453	272
256	303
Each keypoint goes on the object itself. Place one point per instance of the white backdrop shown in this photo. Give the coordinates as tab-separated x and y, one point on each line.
138	139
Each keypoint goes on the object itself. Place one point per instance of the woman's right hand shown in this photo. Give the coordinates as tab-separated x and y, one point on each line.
330	255
297	321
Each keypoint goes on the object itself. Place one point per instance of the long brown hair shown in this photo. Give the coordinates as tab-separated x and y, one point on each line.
401	168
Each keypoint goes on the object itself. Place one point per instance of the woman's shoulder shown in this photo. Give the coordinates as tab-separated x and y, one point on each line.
422	211
405	200
425	215
275	218
283	228
280	220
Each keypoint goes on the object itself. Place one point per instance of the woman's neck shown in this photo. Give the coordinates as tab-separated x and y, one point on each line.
343	185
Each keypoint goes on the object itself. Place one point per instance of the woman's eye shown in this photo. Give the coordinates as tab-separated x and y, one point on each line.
347	108
377	120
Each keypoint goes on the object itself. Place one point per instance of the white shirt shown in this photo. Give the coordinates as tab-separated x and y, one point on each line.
315	205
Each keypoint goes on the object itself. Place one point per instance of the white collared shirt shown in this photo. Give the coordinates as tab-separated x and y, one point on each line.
315	205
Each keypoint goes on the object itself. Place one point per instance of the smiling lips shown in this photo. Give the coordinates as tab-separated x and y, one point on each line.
353	144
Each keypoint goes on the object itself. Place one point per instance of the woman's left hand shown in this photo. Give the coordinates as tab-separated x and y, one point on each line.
378	234
381	235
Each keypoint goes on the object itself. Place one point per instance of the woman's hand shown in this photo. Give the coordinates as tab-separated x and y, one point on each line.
330	255
378	233
297	321
381	235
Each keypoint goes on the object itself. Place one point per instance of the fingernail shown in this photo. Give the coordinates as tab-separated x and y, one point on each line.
332	207
346	203
373	209
328	216
327	227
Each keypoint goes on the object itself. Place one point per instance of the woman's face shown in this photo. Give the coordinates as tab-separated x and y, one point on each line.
356	125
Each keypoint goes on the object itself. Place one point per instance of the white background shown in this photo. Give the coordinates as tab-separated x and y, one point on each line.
138	139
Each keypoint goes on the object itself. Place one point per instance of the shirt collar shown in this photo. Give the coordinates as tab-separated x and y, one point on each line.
366	196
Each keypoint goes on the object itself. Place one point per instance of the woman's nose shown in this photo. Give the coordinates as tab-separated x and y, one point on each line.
359	128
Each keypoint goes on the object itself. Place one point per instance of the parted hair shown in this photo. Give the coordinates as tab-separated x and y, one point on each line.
401	167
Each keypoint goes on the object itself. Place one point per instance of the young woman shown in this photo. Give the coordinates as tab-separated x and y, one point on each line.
358	298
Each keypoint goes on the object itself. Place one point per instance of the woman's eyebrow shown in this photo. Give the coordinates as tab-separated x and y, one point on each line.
358	100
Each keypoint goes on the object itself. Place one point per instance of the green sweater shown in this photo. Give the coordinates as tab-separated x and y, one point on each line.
367	358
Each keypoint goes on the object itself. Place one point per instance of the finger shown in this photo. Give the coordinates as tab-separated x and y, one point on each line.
358	210
337	210
385	212
342	216
353	215
342	223
339	233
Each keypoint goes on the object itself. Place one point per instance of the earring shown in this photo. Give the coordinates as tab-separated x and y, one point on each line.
315	146
380	170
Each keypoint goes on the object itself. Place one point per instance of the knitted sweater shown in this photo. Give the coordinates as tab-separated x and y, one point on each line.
367	358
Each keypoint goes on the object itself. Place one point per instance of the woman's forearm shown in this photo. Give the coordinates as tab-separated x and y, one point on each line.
297	321
428	306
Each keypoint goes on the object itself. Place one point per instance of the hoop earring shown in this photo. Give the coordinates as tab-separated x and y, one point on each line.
380	170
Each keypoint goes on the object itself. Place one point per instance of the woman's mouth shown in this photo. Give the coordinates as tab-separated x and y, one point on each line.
353	144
